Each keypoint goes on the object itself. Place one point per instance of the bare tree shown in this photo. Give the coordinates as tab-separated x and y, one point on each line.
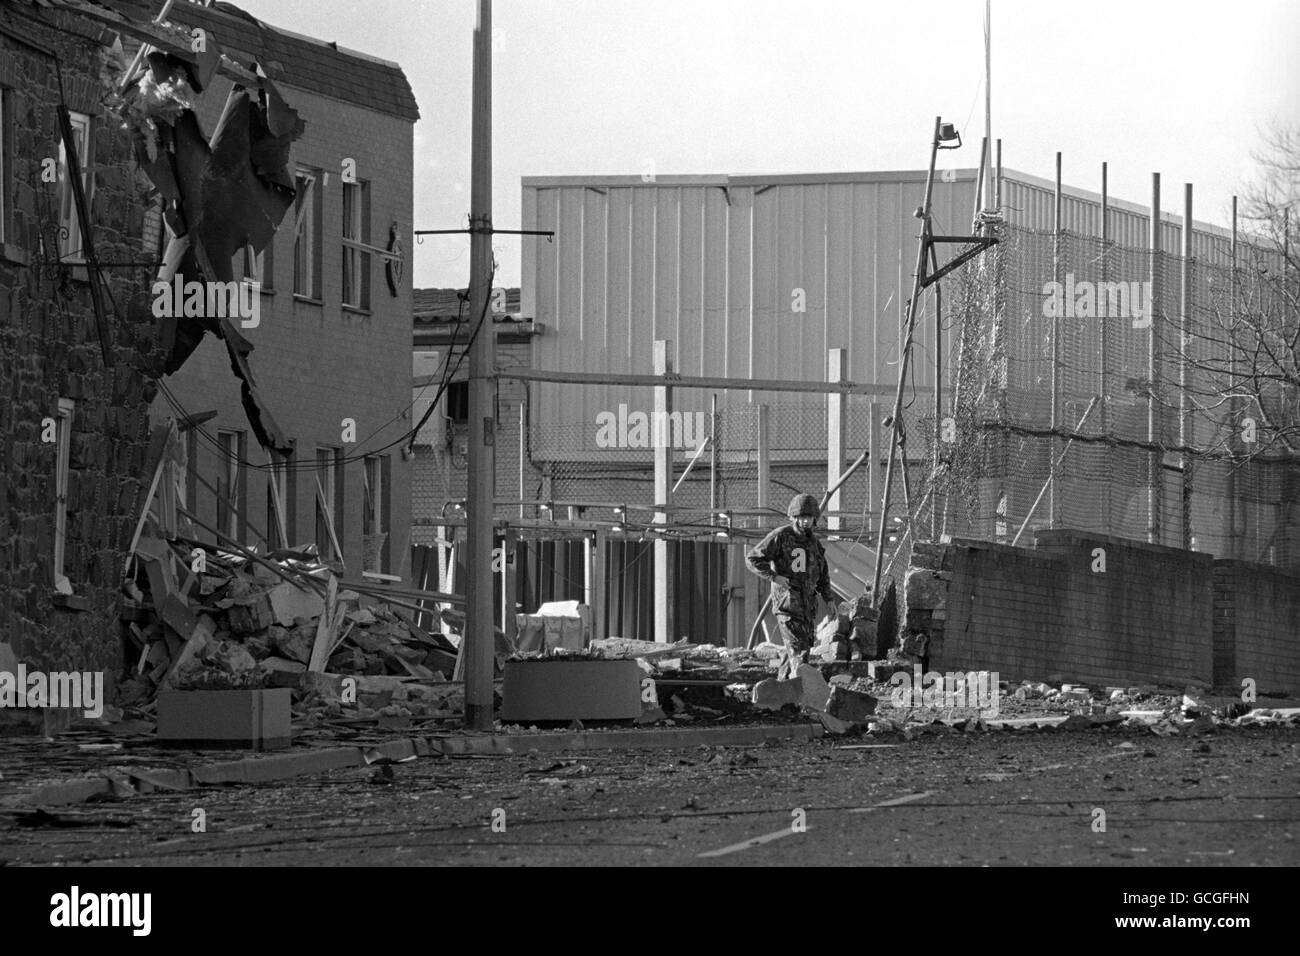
1243	348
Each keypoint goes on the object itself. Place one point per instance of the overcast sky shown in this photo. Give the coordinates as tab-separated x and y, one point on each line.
1182	87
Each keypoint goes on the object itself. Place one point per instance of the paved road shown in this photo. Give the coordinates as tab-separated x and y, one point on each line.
1036	797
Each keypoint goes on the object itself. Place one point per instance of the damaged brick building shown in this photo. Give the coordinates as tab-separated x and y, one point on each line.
74	389
332	339
85	349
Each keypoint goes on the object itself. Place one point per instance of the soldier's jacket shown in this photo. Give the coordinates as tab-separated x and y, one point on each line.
798	558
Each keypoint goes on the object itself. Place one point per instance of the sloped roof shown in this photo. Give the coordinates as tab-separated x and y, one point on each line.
292	59
444	305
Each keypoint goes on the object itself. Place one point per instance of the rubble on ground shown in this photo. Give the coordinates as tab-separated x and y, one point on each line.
243	621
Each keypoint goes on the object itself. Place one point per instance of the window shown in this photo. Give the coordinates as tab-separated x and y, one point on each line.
63	439
306	236
277	502
230	485
356	229
69	224
374	515
329	495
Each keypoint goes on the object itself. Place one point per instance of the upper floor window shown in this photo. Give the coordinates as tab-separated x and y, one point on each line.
69	223
306	235
356	234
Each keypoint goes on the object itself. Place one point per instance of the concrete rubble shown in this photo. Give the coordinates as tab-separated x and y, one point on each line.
282	622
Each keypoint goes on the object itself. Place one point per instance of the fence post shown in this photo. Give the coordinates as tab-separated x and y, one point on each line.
1185	325
837	371
1155	460
663	406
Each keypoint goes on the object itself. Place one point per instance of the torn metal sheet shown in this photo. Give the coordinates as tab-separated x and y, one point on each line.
219	197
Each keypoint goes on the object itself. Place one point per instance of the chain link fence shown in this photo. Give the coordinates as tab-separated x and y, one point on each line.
1075	350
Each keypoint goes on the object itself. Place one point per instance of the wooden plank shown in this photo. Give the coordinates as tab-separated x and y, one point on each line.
326	628
328	512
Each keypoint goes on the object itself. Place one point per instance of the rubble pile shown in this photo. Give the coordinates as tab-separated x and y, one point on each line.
280	622
689	661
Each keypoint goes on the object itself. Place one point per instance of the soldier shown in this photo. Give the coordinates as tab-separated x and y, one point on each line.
793	560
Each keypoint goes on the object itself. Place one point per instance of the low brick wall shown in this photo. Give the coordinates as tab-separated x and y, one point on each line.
1256	627
1058	612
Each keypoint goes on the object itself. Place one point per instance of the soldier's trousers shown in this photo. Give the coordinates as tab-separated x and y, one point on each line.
797	633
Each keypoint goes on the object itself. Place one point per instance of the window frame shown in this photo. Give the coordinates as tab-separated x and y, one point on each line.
232	512
63	453
329	472
307	221
355	232
375	514
70	248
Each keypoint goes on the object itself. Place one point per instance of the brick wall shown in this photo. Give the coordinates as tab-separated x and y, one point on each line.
317	363
1256	627
1047	613
51	350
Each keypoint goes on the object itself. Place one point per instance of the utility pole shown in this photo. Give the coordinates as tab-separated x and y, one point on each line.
986	187
479	637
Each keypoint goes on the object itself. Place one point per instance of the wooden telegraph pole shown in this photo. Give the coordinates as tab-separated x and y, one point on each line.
479	636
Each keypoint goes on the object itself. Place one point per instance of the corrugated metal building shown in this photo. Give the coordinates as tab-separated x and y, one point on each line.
758	276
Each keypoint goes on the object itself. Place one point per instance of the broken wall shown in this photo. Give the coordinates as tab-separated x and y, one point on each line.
1256	627
317	361
51	350
1052	612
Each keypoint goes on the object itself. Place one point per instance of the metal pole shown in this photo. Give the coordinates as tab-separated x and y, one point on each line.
912	305
1155	460
1053	499
997	190
1103	380
987	185
663	463
938	395
837	371
479	638
1184	336
980	202
1234	423
764	458
523	444
1104	325
713	456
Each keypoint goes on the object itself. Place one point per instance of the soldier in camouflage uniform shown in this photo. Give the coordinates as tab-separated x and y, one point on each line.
794	562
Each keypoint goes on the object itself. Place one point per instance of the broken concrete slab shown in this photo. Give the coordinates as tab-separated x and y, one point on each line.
773	694
815	692
850	705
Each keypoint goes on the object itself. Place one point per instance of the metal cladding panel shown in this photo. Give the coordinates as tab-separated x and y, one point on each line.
747	277
1028	202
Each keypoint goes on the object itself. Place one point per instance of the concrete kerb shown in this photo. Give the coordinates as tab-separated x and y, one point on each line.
274	767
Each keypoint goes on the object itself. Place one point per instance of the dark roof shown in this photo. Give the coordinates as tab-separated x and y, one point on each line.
291	58
444	305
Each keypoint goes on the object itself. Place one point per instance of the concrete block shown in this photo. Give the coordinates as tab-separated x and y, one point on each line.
571	690
851	705
288	601
815	692
258	719
773	694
